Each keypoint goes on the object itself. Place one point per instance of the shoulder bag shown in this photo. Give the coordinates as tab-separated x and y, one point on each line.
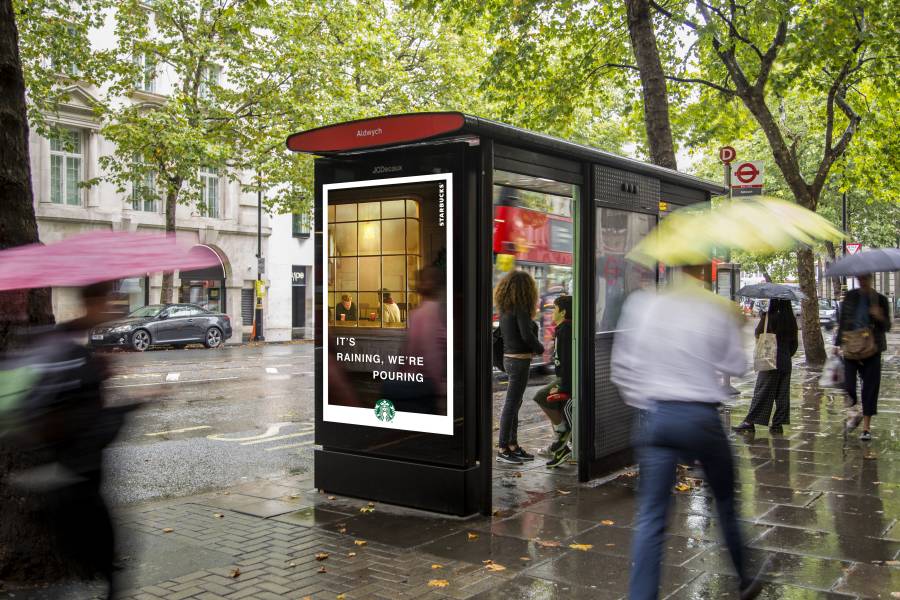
766	351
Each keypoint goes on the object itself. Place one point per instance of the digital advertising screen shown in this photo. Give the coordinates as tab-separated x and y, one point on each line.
387	303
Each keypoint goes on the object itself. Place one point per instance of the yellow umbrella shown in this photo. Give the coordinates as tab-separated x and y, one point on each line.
760	225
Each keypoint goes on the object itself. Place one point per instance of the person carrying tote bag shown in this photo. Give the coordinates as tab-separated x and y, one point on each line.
776	342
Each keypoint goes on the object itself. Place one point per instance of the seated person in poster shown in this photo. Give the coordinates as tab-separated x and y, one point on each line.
554	398
390	308
345	310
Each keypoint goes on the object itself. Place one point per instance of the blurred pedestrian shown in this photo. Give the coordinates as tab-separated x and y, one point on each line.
774	386
516	298
669	352
63	430
862	325
553	397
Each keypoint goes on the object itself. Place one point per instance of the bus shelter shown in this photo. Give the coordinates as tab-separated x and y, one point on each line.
416	217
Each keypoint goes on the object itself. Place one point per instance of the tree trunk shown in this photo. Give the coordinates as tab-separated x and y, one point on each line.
766	277
17	221
171	205
653	84
26	549
813	344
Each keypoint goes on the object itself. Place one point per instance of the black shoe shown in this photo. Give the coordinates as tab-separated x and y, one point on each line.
505	456
776	429
745	426
865	436
561	440
564	454
522	455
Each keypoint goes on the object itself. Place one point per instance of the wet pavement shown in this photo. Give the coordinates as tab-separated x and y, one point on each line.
218	418
823	507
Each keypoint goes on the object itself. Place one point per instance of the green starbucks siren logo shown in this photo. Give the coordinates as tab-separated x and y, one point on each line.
384	410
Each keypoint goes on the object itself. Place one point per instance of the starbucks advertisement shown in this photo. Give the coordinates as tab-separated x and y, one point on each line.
387	305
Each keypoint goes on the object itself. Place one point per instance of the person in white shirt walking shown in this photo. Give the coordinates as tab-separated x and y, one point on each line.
669	352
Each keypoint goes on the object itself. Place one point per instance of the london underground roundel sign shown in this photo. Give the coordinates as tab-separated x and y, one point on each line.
747	178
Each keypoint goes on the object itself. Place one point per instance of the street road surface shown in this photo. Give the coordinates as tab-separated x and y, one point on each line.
218	417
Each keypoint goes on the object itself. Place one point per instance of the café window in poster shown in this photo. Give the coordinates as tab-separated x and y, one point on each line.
387	305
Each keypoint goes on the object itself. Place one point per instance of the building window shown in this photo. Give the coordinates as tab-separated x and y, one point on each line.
66	166
374	251
301	225
64	65
209	192
146	79
209	78
144	195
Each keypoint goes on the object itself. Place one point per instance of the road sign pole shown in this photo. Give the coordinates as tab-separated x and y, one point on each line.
844	241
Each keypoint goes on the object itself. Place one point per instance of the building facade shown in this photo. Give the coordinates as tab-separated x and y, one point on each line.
225	226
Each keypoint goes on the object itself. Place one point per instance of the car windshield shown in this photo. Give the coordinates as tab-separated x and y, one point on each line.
148	311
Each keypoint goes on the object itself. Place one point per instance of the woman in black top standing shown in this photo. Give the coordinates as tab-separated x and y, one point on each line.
774	386
516	298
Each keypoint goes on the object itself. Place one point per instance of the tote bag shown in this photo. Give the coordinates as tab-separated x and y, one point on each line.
766	351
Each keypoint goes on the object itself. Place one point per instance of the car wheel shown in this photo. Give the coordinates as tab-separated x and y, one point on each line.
213	337
140	340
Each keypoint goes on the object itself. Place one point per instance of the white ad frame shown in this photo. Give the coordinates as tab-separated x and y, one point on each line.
439	424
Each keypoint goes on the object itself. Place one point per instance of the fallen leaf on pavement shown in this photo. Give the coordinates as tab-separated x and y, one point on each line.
563	492
472	536
517	474
437	566
495	567
366	509
235	573
524	558
341	597
582	547
360	542
321	555
607	522
682	487
322	570
351	554
219	515
168	530
438	583
342	530
332	498
547	543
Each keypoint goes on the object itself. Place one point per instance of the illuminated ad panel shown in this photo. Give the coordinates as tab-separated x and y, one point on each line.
387	306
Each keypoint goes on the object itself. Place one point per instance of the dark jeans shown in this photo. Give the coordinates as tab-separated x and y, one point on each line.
869	371
678	431
517	369
772	387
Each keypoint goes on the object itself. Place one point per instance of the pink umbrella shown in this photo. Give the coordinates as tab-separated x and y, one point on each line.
93	257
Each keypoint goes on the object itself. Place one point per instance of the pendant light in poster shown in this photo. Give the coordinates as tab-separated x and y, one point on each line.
387	303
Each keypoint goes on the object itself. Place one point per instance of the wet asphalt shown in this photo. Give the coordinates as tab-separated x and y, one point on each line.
211	418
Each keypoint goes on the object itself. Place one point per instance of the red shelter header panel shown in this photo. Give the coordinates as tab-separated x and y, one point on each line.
371	133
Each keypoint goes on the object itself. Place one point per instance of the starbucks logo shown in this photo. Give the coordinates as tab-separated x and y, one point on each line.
384	410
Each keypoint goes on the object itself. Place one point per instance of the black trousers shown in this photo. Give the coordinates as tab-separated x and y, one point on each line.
869	370
772	387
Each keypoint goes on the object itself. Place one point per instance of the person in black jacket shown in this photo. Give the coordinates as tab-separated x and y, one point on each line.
864	308
516	298
554	397
774	386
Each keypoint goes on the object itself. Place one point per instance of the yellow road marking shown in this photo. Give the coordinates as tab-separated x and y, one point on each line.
277	437
285	446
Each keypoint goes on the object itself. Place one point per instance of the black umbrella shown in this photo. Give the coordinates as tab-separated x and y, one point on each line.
770	290
870	261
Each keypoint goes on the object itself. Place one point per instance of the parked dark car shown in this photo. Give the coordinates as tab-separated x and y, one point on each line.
164	324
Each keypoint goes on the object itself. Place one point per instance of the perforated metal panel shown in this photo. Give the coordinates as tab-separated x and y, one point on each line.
625	190
612	417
